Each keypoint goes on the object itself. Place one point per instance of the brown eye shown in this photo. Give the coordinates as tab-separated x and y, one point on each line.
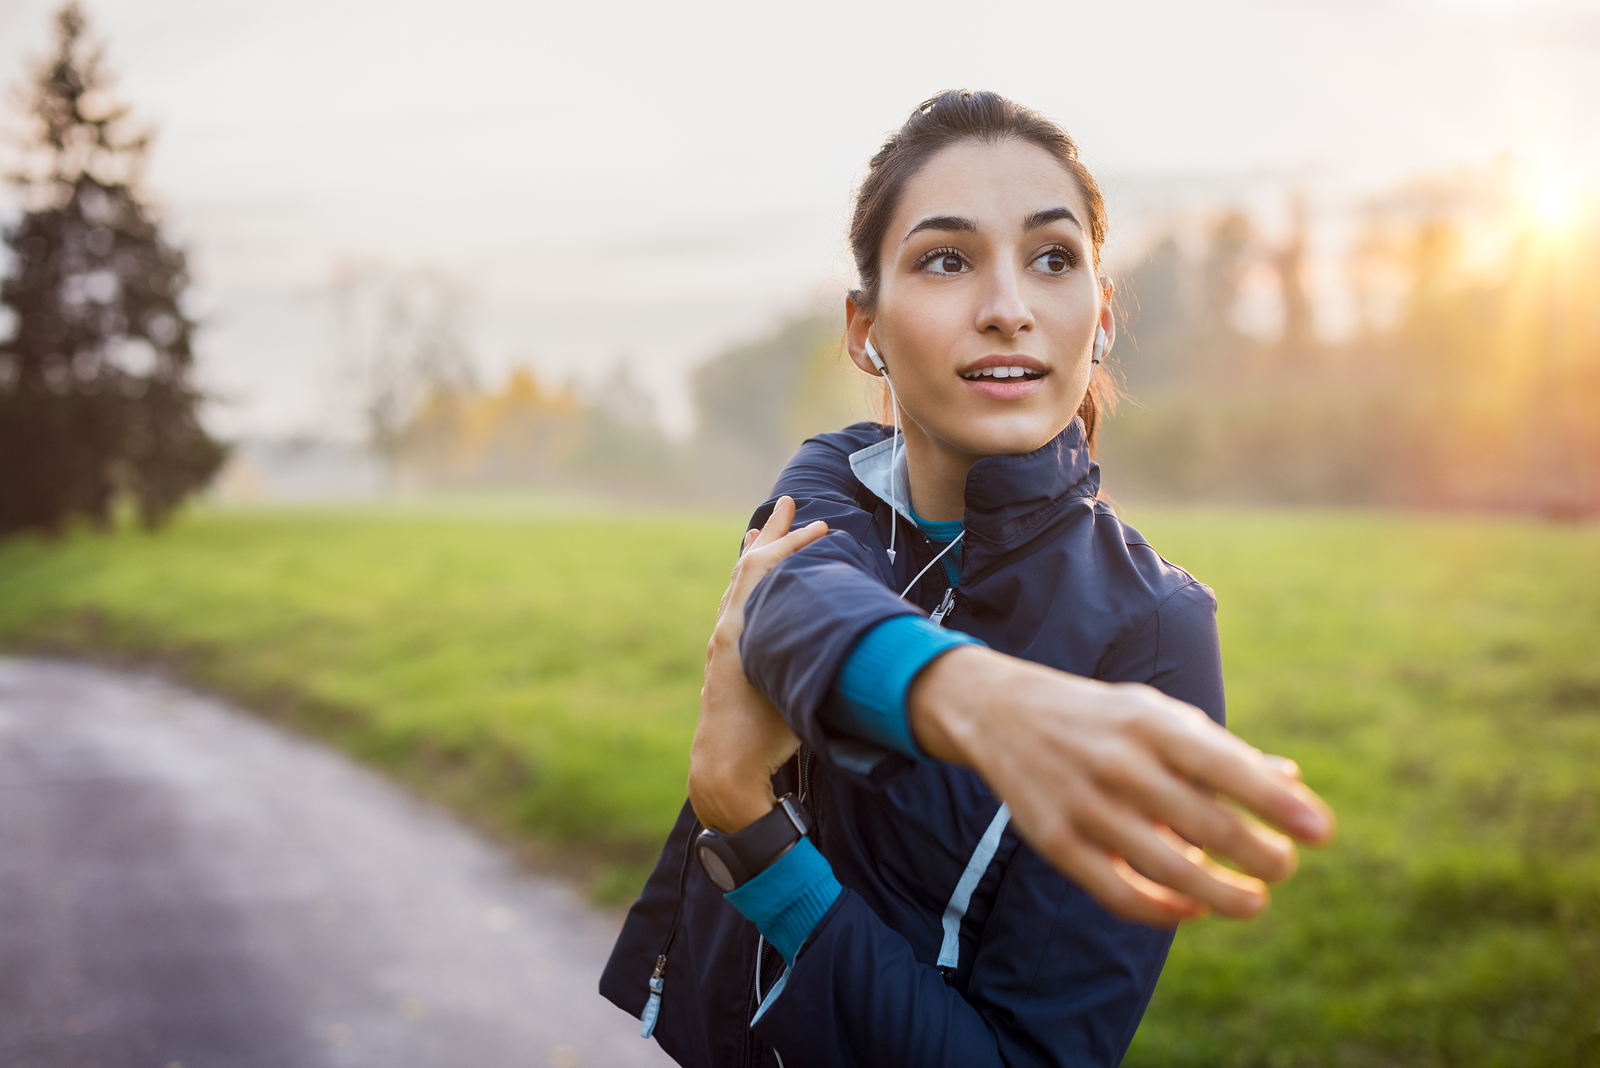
1054	262
944	261
951	264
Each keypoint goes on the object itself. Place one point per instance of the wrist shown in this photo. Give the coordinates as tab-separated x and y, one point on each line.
947	702
730	801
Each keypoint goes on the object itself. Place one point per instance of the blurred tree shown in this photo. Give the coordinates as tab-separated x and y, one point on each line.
1298	340
1222	277
402	338
756	403
95	393
1157	334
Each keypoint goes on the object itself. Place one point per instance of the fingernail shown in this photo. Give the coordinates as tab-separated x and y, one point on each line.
1311	824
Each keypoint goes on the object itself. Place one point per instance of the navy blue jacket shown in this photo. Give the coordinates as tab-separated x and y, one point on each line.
1033	971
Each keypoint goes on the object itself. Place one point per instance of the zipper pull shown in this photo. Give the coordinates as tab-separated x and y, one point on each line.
949	602
652	1008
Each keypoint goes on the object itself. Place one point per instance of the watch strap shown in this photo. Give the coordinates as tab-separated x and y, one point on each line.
757	846
765	840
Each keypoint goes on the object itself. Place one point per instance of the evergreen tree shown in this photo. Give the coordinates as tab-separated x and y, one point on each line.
95	396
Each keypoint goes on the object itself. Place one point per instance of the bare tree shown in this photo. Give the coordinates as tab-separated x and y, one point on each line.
1298	339
401	336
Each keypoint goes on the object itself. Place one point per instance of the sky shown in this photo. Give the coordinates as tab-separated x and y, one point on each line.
650	182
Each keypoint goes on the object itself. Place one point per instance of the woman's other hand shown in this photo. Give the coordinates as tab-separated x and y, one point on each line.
740	739
1099	776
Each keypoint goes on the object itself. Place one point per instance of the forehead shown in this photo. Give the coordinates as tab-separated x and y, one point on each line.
994	185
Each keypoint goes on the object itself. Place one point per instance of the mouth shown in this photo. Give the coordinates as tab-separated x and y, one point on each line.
1002	373
1005	377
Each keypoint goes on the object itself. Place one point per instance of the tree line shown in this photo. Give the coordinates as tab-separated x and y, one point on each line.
1471	378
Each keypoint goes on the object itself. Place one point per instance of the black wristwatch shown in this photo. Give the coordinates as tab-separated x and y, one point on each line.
731	860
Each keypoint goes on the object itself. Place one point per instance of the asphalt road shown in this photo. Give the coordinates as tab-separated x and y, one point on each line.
181	884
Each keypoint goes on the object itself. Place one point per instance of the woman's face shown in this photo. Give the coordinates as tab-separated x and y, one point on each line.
988	300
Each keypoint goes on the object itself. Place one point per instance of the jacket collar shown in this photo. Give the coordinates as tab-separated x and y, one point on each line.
876	469
1009	498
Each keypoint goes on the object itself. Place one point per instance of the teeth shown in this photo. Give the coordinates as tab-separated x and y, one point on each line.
999	372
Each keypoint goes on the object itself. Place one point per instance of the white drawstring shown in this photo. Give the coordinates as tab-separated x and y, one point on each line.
935	560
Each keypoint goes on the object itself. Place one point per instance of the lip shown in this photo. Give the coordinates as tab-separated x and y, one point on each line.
1010	388
1015	360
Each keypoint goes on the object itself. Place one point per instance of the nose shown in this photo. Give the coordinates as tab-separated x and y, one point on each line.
1003	308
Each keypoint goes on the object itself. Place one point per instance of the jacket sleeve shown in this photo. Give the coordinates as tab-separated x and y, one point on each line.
805	617
1057	982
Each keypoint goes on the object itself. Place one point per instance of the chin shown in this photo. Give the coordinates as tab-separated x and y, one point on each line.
1009	437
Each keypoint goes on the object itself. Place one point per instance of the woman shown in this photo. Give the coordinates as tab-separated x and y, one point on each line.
1002	692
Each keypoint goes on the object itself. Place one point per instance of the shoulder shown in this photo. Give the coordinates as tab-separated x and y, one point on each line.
820	468
842	443
1149	579
1168	637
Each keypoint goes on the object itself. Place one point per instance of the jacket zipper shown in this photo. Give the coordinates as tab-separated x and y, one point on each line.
658	978
808	760
764	952
949	602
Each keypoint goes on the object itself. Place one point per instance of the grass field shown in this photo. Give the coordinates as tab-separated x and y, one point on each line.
1437	678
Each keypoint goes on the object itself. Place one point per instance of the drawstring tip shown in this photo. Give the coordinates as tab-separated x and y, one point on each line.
652	1009
891	555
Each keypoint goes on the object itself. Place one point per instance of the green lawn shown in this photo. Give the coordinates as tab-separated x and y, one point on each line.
1437	678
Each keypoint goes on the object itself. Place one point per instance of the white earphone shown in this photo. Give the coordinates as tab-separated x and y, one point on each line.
877	361
894	450
1099	347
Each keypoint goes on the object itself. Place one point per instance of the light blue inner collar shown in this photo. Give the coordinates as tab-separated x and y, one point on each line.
871	467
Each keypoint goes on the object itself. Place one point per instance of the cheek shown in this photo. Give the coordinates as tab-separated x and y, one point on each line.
921	334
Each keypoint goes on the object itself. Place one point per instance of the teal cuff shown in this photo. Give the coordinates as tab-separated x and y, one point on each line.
877	675
786	901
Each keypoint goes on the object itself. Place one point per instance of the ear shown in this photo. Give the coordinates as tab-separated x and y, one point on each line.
856	325
1108	314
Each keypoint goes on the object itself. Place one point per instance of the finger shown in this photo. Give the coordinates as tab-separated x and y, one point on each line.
749	539
1201	750
763	558
753	567
1283	764
777	524
1162	857
1129	895
1151	788
1110	880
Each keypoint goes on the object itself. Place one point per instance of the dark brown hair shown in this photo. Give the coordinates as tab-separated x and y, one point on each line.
954	116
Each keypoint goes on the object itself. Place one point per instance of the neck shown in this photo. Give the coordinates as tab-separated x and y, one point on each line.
938	475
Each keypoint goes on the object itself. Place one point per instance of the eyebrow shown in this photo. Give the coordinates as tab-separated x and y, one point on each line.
1048	216
961	224
942	222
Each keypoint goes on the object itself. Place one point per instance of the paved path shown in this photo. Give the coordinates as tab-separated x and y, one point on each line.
182	884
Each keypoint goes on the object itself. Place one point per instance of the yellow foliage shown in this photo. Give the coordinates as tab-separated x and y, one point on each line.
522	433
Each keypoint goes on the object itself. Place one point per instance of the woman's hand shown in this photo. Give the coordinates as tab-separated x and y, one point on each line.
1099	776
740	739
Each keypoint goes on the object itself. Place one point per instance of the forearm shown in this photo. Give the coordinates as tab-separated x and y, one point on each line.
961	699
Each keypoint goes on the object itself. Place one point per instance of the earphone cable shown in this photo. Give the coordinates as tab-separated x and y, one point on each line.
935	560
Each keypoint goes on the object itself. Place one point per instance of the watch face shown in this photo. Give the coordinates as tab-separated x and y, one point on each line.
715	868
